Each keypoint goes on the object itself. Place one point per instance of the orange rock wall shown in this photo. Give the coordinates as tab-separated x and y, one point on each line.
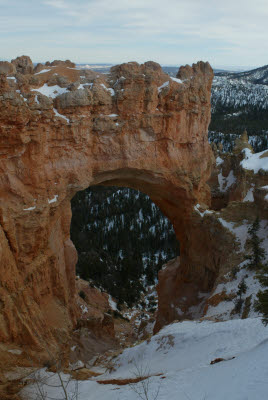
136	127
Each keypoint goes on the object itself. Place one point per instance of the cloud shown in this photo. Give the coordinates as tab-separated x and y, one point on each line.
222	30
60	4
228	21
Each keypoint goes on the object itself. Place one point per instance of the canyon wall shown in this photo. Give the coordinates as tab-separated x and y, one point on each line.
219	242
62	130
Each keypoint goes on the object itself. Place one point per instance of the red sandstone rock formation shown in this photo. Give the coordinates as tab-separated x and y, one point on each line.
23	65
7	68
94	309
136	127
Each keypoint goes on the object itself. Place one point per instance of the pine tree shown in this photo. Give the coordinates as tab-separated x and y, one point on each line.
261	304
258	254
242	288
256	262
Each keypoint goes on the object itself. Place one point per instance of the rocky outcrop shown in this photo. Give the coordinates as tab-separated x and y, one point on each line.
95	309
7	68
135	127
23	65
184	285
238	197
242	143
66	63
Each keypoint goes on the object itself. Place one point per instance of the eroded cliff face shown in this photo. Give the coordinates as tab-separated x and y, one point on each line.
63	130
238	196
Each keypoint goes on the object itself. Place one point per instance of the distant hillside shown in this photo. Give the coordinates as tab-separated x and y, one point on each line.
240	101
242	91
257	76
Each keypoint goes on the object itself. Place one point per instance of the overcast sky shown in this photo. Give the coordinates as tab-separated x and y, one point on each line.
225	32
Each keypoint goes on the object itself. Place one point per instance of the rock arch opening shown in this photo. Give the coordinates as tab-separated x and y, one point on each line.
194	272
122	239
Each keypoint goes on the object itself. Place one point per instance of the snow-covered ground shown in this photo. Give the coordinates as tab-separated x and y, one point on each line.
225	309
256	161
180	354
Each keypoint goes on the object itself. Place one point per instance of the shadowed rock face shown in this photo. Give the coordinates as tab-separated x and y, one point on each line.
135	127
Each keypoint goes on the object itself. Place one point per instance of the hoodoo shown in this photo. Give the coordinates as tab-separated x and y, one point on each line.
63	130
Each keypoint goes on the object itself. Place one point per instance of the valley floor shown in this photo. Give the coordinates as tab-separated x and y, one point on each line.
177	361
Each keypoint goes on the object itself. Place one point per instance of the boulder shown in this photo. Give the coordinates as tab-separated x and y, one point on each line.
23	65
6	68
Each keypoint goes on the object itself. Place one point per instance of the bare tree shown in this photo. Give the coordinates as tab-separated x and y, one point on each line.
143	386
41	382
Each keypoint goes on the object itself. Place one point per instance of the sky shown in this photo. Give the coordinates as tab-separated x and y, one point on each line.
171	32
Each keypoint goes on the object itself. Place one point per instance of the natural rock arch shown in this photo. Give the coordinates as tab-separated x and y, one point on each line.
137	127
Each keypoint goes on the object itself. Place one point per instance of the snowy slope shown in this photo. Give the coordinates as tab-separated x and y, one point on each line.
257	75
239	101
181	353
238	93
248	89
225	310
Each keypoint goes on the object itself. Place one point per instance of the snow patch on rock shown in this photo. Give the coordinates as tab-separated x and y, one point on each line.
163	86
112	303
54	199
219	161
249	196
60	115
50	91
255	161
226	182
